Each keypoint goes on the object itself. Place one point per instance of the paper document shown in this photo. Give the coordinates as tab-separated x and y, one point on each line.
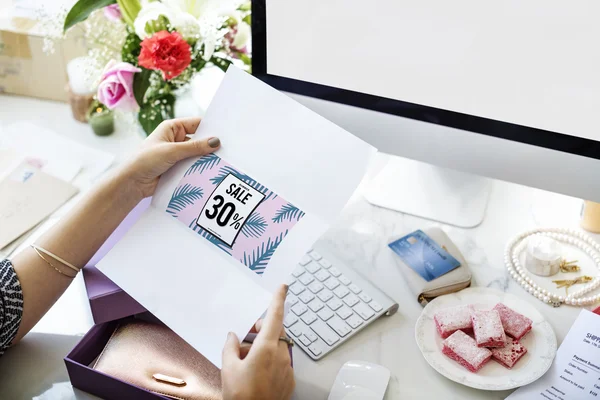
575	373
59	156
28	197
224	230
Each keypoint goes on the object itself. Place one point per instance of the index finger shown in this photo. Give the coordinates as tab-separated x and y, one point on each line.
273	322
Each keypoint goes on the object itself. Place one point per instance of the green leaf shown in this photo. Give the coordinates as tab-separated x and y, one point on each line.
129	9
155	111
131	48
141	82
222	63
82	10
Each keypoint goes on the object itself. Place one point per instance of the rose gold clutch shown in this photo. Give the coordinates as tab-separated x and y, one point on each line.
153	357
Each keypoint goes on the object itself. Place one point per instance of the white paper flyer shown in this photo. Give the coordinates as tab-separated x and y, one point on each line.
575	373
224	230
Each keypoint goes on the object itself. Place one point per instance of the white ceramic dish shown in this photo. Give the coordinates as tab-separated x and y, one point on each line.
540	342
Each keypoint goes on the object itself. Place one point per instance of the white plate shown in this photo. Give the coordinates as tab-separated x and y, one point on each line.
540	342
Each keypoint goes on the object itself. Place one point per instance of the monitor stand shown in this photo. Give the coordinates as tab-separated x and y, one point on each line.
427	191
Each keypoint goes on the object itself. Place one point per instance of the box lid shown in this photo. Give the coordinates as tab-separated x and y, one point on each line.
107	300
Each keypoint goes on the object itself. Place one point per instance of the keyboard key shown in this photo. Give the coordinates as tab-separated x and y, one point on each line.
354	289
325	314
291	300
315	256
375	306
364	311
354	321
344	279
344	312
296	330
334	271
315	305
290	320
351	300
309	318
334	303
298	271
315	287
322	275
305	341
290	280
313	267
306	279
299	309
339	326
332	283
296	288
325	333
365	297
311	335
325	295
315	348
341	291
305	260
325	263
306	297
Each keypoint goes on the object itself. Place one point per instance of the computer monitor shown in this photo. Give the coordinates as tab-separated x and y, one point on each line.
507	90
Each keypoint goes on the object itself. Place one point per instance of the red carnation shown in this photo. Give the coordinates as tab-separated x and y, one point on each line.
167	52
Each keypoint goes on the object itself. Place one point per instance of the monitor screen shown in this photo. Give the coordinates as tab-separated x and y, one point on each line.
533	63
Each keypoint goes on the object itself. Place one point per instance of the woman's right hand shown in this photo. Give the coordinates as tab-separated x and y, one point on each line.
266	371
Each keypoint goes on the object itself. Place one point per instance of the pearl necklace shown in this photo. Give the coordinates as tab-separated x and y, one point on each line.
568	236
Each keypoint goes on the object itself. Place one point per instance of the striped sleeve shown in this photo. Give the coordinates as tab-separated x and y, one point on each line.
11	304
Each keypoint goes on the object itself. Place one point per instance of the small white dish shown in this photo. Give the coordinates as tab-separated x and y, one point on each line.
540	342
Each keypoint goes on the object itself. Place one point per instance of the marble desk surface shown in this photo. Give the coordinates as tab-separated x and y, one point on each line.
35	369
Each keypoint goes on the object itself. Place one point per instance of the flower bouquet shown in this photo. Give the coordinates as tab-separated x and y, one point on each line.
151	50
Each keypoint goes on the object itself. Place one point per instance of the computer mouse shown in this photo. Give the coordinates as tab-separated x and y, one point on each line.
360	380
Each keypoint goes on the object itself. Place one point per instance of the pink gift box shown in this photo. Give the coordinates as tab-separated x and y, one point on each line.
109	302
110	305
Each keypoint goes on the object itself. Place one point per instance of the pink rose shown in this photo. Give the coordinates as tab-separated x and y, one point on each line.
113	12
116	86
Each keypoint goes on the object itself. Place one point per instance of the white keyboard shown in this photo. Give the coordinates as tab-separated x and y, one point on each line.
329	303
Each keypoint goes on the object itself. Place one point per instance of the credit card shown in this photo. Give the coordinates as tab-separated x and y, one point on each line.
424	255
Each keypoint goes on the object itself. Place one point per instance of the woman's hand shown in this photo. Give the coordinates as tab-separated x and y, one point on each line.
266	371
166	146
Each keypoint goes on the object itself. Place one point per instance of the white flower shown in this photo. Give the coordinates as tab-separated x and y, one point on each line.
185	23
242	36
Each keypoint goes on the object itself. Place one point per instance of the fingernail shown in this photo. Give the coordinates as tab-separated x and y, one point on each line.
214	142
286	287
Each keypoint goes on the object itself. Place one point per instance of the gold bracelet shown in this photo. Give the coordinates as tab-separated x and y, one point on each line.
57	258
50	264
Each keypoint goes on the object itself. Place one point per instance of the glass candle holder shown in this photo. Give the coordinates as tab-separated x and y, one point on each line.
102	121
80	104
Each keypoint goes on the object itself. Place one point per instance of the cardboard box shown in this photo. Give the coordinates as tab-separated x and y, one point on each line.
25	69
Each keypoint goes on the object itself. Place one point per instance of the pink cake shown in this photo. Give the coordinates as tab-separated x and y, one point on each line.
462	348
515	324
449	320
509	354
488	329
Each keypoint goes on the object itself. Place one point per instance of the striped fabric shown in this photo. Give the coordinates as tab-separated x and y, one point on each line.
11	304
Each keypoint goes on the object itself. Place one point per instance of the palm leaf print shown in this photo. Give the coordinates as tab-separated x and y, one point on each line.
203	163
260	257
208	236
183	196
255	226
224	171
288	212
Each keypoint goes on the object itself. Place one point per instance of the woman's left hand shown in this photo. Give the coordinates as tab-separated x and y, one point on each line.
167	145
